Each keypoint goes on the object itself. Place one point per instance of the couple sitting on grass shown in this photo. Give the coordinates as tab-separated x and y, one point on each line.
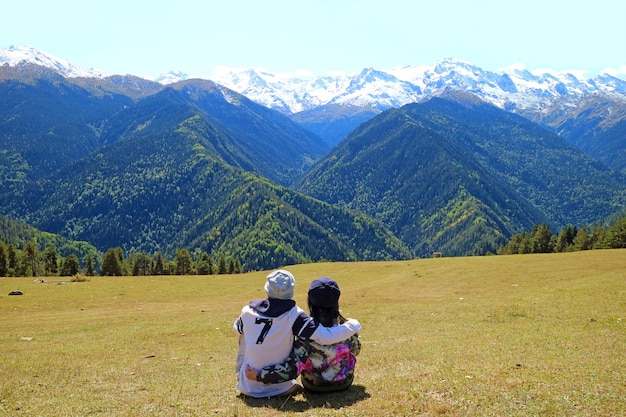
278	341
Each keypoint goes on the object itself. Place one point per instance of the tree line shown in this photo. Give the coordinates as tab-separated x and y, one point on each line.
569	239
30	261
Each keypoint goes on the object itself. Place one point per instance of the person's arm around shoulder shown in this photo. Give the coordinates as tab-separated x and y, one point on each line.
336	334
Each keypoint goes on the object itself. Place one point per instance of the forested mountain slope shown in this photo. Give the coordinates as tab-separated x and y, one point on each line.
242	133
458	178
565	183
596	124
168	187
16	234
274	146
47	122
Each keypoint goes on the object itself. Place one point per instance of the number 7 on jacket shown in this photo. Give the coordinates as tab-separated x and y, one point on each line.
267	325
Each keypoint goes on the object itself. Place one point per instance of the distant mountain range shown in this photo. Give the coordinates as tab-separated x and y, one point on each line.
509	89
331	106
444	158
381	90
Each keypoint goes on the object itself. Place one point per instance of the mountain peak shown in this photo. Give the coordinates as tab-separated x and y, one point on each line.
171	77
21	55
451	63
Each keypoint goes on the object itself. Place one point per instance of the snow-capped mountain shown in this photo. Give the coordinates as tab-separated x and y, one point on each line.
20	55
288	93
513	88
172	77
292	93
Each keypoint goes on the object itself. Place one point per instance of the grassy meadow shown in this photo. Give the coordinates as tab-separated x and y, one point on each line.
523	335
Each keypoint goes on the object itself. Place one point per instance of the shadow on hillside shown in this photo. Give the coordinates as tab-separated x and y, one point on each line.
305	400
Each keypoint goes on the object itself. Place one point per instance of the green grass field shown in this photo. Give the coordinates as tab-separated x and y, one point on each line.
524	335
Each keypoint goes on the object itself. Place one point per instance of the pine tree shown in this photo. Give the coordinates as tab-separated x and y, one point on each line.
204	266
512	247
540	239
184	264
221	265
597	237
50	265
124	266
525	245
4	260
70	266
582	241
237	268
211	267
158	268
616	235
564	240
90	269
561	242
30	258
142	264
14	262
111	265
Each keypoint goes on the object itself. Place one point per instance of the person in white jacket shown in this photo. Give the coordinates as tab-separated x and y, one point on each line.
267	329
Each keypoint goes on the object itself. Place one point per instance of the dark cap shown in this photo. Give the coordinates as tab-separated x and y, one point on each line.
324	292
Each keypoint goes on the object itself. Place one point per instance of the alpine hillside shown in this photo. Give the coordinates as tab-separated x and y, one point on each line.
460	176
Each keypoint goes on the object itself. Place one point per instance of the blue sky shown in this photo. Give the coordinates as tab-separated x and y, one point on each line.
147	38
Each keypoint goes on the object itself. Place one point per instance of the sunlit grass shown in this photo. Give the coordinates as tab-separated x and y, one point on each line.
522	335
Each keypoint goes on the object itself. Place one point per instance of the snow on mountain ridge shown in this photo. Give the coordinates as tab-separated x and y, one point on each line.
286	92
377	89
19	55
513	87
171	77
